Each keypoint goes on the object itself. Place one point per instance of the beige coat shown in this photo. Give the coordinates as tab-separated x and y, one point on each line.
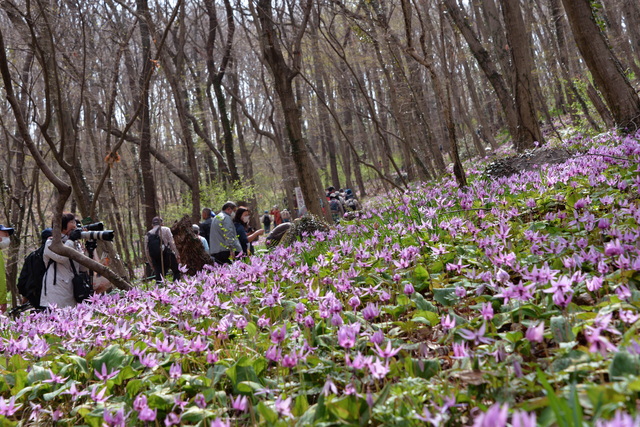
59	293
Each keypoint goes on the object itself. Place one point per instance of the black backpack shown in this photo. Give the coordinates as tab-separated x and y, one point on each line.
154	244
30	280
334	205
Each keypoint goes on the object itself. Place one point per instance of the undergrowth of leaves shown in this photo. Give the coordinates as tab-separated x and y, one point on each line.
513	301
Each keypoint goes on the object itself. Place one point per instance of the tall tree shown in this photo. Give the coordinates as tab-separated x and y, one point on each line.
149	196
283	75
524	90
216	76
608	74
488	66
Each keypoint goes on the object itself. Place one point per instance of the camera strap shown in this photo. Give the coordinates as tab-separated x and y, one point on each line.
73	267
46	273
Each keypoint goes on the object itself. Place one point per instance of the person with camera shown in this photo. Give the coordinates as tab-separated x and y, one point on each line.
160	250
57	285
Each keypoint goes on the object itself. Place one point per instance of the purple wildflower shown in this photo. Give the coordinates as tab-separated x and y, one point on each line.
279	334
408	289
370	312
329	388
523	419
283	407
476	337
55	379
354	302
613	248
219	423
200	401
460	350
309	322
171	419
449	322
348	334
487	311
623	292
377	337
388	352
147	414
535	333
105	375
274	353
496	416
628	316
175	371
240	403
594	283
115	419
140	402
8	407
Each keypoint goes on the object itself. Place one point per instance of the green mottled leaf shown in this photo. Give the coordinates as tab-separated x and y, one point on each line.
112	356
624	364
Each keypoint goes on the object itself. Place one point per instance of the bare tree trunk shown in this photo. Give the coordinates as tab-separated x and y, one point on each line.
565	65
283	76
631	11
487	65
608	75
480	112
600	106
442	92
149	197
619	37
216	77
498	39
62	188
325	121
528	131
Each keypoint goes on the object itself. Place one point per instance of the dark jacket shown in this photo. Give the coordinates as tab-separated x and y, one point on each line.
243	238
205	229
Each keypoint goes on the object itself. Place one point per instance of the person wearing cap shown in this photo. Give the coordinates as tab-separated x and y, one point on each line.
205	244
170	256
5	241
223	240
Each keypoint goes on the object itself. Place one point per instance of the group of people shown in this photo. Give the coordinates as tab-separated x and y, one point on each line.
225	236
275	217
341	201
229	232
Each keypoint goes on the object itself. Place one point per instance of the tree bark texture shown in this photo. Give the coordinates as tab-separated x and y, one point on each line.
528	130
607	73
283	77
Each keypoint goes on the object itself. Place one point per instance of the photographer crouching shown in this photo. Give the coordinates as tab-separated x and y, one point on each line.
67	283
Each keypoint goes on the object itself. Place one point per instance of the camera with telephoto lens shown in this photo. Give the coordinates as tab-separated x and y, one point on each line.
96	231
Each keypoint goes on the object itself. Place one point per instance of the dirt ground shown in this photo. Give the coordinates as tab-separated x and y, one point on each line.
527	161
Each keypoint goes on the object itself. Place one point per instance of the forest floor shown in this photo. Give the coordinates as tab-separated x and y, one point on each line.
529	160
